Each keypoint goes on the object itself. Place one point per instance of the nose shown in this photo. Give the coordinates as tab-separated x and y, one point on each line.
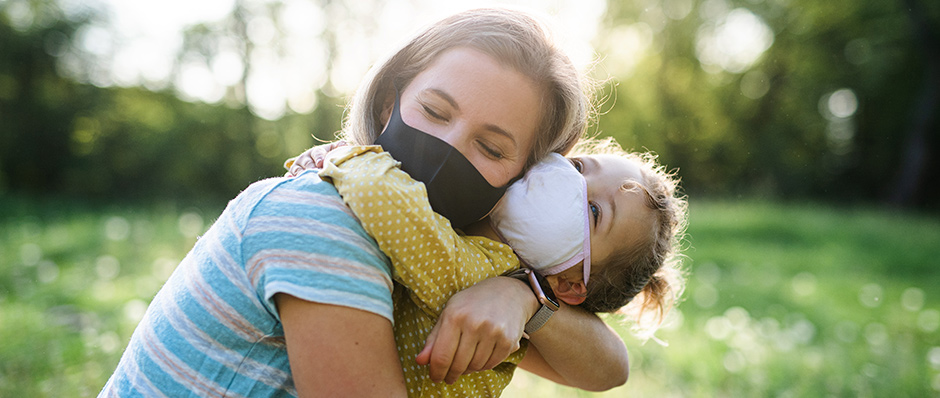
591	186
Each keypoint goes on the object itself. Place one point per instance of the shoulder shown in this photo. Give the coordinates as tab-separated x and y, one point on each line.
301	239
300	213
303	196
302	205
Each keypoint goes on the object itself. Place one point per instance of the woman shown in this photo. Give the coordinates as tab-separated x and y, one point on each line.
286	291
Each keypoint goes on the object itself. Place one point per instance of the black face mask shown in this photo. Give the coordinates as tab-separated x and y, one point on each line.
456	189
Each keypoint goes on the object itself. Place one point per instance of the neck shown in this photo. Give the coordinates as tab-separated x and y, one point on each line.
482	228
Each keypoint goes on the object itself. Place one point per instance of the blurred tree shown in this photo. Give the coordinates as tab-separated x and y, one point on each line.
58	136
819	111
775	98
36	104
917	149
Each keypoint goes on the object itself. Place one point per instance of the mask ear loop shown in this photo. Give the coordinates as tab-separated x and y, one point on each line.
587	235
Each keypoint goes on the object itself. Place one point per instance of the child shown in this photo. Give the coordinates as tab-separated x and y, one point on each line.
628	212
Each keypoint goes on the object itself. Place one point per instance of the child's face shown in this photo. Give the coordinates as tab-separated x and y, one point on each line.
619	217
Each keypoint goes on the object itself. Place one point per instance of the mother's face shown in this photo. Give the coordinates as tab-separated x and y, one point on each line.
487	111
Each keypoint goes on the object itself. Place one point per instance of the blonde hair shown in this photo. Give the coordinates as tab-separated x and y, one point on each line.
643	280
511	37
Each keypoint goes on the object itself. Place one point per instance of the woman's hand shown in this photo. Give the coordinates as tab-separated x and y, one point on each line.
310	159
479	328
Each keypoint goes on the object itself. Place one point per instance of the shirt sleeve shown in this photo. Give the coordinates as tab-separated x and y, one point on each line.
302	240
428	256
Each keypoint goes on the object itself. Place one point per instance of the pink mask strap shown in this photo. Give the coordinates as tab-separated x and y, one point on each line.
587	237
585	255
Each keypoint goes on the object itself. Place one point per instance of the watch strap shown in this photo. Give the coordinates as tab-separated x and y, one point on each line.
539	319
545	311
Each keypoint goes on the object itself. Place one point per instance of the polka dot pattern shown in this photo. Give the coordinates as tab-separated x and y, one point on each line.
431	262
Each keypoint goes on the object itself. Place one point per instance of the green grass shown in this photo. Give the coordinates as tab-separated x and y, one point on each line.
782	300
794	301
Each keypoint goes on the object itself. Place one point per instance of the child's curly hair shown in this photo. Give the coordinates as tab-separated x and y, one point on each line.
651	270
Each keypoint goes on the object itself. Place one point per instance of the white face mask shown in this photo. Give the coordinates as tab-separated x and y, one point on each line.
544	217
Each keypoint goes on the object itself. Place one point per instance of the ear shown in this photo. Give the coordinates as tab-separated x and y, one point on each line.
571	292
387	107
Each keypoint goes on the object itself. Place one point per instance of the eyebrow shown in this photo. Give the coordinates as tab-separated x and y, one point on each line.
496	129
491	127
445	96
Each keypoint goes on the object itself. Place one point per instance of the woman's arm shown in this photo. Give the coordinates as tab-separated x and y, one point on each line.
575	347
339	351
578	349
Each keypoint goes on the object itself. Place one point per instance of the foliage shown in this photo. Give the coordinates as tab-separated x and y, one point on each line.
783	300
759	128
764	128
66	138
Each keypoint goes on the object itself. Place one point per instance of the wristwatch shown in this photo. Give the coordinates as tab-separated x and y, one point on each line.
543	292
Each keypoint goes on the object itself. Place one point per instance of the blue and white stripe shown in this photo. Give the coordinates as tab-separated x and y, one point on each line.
213	329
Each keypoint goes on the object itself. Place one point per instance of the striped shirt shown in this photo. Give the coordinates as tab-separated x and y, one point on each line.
213	329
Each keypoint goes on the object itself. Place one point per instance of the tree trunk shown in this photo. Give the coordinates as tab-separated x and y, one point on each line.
924	113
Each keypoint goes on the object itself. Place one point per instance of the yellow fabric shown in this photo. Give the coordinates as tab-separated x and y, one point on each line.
431	262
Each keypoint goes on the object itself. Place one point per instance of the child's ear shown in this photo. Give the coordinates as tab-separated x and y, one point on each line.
571	292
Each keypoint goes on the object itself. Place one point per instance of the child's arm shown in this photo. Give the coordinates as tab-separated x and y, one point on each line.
428	257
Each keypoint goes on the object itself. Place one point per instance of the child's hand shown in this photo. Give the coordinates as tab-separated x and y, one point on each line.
479	328
310	159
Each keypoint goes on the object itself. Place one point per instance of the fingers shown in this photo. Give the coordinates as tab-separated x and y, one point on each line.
299	164
499	354
307	161
461	358
442	355
310	159
484	351
424	357
337	144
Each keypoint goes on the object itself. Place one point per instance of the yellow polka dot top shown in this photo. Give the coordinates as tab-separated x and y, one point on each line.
430	261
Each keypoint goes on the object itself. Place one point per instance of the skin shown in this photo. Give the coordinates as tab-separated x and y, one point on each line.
322	338
453	100
462	98
619	217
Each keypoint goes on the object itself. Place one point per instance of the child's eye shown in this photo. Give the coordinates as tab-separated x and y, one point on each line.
595	211
577	165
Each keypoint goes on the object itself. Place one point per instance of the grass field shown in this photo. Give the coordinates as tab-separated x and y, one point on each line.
783	300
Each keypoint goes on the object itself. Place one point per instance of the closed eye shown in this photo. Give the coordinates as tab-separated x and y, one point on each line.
430	112
490	151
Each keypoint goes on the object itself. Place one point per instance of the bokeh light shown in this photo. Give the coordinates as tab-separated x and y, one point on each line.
870	295
733	42
912	299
